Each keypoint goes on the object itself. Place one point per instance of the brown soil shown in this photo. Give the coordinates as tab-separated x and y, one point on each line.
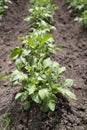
69	114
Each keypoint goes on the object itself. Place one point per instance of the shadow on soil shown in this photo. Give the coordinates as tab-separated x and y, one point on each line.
35	119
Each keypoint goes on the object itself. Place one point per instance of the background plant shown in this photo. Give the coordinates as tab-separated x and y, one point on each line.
81	7
41	10
3	7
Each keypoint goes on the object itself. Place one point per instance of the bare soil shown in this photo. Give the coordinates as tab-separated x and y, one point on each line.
69	114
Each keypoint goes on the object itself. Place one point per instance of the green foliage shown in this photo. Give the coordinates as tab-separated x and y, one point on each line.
40	77
79	4
82	19
81	7
3	7
41	10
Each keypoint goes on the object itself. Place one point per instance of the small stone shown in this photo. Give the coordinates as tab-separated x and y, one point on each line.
9	62
6	84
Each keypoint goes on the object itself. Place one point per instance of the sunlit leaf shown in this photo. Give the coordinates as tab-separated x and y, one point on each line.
35	97
51	104
43	93
68	82
18	75
16	52
30	88
61	70
18	95
70	94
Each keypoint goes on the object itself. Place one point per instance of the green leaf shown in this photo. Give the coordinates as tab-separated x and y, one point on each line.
67	92
51	104
70	94
26	105
57	47
47	37
39	78
55	88
16	52
77	19
61	90
35	97
28	18
18	75
49	63
68	82
20	62
61	70
31	88
44	93
23	95
26	52
18	95
55	64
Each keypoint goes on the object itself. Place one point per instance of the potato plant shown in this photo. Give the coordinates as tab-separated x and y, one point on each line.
81	7
40	77
41	10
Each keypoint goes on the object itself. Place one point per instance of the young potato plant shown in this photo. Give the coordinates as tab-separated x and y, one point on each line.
40	77
81	7
78	4
82	19
41	11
